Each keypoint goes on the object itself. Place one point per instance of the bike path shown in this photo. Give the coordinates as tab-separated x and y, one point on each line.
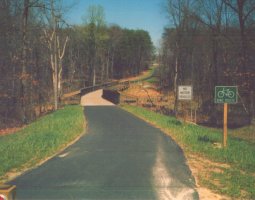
120	157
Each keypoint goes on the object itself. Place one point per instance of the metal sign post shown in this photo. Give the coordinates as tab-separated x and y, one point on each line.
226	95
185	92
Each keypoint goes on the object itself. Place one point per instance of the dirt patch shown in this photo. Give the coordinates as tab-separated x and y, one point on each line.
142	91
202	167
8	131
207	194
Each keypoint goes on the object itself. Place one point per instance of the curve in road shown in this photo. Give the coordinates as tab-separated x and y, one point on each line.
120	157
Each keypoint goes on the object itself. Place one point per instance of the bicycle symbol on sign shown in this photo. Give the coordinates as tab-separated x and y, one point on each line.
226	93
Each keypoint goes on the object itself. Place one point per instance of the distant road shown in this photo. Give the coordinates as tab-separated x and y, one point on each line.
95	99
120	157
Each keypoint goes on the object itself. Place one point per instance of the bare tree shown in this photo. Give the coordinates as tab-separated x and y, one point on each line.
25	96
178	13
216	39
56	48
245	10
96	22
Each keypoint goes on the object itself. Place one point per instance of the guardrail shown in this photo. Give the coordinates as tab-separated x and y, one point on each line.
114	95
89	89
115	86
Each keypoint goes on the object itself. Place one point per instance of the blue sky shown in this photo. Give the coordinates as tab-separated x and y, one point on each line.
132	14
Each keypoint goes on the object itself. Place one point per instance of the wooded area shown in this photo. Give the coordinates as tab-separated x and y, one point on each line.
42	57
210	43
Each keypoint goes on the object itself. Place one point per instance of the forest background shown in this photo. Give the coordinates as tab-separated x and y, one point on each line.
43	57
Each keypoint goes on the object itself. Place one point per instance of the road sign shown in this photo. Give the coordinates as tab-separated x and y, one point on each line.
185	92
226	94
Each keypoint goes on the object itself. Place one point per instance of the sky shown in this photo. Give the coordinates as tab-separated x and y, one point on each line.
132	14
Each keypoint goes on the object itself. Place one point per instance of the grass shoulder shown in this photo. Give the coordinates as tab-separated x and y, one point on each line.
229	171
146	74
40	140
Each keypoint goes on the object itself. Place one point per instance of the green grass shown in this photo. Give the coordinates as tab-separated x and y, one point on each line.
238	180
246	133
146	75
41	139
152	80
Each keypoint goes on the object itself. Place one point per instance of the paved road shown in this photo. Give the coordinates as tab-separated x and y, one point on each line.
120	157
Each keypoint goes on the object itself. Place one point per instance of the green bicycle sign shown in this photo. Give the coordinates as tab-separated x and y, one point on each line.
226	94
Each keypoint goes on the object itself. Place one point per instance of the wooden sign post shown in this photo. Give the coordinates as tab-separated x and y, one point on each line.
225	125
226	95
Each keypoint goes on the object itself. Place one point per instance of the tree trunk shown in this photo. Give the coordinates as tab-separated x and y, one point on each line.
242	35
252	99
60	79
94	76
61	54
112	63
215	59
176	86
55	81
25	93
107	65
55	89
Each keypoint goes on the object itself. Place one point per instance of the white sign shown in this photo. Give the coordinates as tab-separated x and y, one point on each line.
185	92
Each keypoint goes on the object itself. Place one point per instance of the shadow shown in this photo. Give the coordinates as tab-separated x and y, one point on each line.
206	139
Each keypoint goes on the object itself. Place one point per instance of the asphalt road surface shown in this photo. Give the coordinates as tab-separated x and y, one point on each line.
120	157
